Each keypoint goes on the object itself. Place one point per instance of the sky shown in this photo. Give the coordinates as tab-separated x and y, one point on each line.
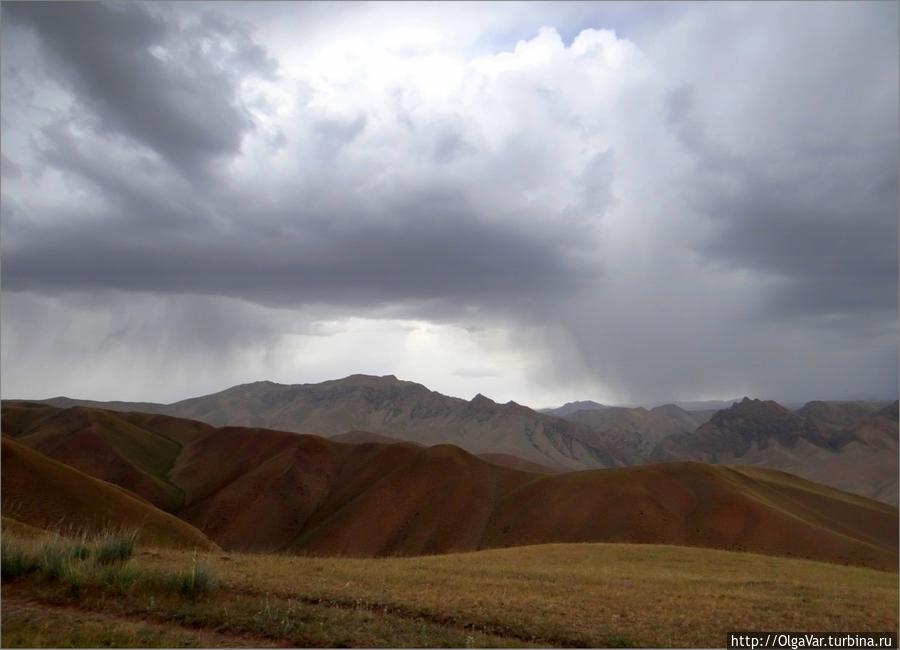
539	202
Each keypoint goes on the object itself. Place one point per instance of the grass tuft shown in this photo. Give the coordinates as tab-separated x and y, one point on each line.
64	561
115	548
194	583
116	577
54	561
14	562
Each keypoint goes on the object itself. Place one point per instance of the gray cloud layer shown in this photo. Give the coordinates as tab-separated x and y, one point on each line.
711	207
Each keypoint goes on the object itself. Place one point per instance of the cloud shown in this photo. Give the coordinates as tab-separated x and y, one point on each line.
146	77
699	203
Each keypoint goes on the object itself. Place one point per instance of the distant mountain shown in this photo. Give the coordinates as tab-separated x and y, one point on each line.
263	490
568	408
707	405
835	443
834	416
644	428
861	458
571	407
399	409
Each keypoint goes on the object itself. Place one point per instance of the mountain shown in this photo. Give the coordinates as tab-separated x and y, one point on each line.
639	427
861	458
264	490
834	416
571	407
815	442
42	493
711	405
399	409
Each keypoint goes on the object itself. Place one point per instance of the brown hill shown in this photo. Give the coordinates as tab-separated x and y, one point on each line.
504	460
43	493
362	437
269	490
307	494
134	450
514	462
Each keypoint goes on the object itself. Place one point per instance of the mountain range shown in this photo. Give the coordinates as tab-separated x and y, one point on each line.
848	445
250	488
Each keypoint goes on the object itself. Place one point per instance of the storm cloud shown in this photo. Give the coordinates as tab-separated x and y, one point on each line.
614	203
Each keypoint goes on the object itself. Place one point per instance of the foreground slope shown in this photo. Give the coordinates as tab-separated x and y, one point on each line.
43	493
627	595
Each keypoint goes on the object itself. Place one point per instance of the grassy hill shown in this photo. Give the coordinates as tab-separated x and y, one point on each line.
558	595
43	493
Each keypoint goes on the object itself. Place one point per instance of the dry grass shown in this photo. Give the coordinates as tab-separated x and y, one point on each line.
552	595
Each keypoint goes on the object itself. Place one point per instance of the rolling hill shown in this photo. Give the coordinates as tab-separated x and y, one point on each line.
264	490
42	493
136	451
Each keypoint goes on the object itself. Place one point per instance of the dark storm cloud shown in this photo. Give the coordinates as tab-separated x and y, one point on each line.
432	248
807	195
834	254
176	100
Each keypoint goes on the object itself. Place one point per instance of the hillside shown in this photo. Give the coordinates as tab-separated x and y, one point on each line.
43	493
133	450
250	488
861	458
503	460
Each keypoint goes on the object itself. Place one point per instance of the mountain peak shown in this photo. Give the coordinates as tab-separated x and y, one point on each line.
481	400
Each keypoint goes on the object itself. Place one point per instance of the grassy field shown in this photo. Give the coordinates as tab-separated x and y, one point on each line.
551	595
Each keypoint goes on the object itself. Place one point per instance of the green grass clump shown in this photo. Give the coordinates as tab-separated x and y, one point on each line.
65	561
14	562
116	577
196	582
114	548
54	561
193	583
57	562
